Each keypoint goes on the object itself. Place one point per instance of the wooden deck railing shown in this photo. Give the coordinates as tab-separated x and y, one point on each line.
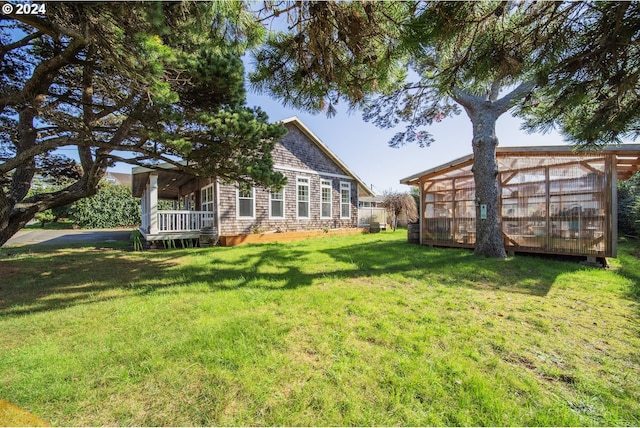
184	221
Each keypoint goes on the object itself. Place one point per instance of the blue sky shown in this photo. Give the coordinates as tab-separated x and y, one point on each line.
364	148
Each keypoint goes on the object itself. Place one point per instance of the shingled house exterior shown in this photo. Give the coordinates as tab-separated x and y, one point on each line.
554	200
321	193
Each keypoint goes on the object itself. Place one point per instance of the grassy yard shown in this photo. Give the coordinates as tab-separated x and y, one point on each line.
357	330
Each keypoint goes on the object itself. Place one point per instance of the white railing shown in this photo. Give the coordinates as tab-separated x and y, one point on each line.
184	221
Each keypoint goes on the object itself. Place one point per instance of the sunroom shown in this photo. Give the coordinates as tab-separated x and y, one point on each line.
554	200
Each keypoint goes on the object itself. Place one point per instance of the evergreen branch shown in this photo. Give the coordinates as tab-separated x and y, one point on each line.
42	75
20	43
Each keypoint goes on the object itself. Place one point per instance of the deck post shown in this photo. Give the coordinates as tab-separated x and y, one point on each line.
614	205
153	203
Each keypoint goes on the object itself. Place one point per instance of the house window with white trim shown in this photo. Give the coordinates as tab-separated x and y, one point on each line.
206	199
325	195
303	197
276	204
245	202
345	200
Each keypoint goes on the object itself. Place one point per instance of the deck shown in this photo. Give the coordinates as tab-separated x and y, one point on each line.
175	224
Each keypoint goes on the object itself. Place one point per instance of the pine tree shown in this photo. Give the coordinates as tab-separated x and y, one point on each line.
140	83
419	62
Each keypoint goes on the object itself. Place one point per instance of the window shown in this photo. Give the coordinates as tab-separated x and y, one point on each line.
325	203
276	206
303	197
345	200
206	198
245	202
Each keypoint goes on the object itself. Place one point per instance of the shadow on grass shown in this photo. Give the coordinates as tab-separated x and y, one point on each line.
42	278
629	255
282	267
56	279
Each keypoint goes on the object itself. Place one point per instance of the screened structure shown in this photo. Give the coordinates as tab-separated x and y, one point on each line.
554	200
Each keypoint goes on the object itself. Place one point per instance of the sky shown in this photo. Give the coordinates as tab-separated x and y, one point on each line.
364	148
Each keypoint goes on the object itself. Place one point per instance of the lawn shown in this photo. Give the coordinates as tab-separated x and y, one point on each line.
355	330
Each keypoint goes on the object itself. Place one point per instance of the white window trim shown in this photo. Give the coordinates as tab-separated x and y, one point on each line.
212	202
284	206
298	197
342	203
330	187
253	209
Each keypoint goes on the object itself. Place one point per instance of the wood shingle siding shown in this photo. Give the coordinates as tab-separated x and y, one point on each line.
299	156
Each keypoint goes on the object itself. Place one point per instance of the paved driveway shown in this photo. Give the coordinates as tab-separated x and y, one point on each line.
61	237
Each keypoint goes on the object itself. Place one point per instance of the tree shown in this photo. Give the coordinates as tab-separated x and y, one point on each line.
140	83
426	60
397	203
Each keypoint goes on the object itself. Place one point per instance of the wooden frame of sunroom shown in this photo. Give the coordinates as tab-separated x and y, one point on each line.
555	200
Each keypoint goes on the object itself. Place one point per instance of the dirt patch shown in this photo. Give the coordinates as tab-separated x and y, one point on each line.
520	360
8	270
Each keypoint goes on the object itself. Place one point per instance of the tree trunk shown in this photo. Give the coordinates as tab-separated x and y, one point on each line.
484	112
14	217
485	173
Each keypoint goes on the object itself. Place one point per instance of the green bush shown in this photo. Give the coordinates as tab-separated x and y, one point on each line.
45	216
629	206
112	206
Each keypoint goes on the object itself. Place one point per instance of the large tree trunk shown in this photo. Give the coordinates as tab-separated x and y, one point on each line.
484	112
14	217
485	173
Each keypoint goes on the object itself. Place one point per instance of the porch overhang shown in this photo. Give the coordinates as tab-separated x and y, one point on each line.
170	179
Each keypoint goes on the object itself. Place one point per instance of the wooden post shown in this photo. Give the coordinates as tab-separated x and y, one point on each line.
153	203
423	210
547	207
614	205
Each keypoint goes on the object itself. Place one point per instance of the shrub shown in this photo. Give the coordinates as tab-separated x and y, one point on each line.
112	206
629	205
45	216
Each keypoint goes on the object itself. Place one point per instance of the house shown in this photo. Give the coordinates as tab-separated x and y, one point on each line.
554	200
321	193
117	178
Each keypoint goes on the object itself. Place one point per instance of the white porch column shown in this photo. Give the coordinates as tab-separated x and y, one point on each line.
217	206
153	203
143	210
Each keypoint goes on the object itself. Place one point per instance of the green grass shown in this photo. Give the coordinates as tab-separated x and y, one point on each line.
358	330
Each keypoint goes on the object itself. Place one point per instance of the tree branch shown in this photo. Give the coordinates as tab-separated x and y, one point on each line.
40	74
49	28
464	98
494	90
18	44
31	152
521	91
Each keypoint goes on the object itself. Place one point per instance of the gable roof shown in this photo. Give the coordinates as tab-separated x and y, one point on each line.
314	138
138	183
118	177
628	159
